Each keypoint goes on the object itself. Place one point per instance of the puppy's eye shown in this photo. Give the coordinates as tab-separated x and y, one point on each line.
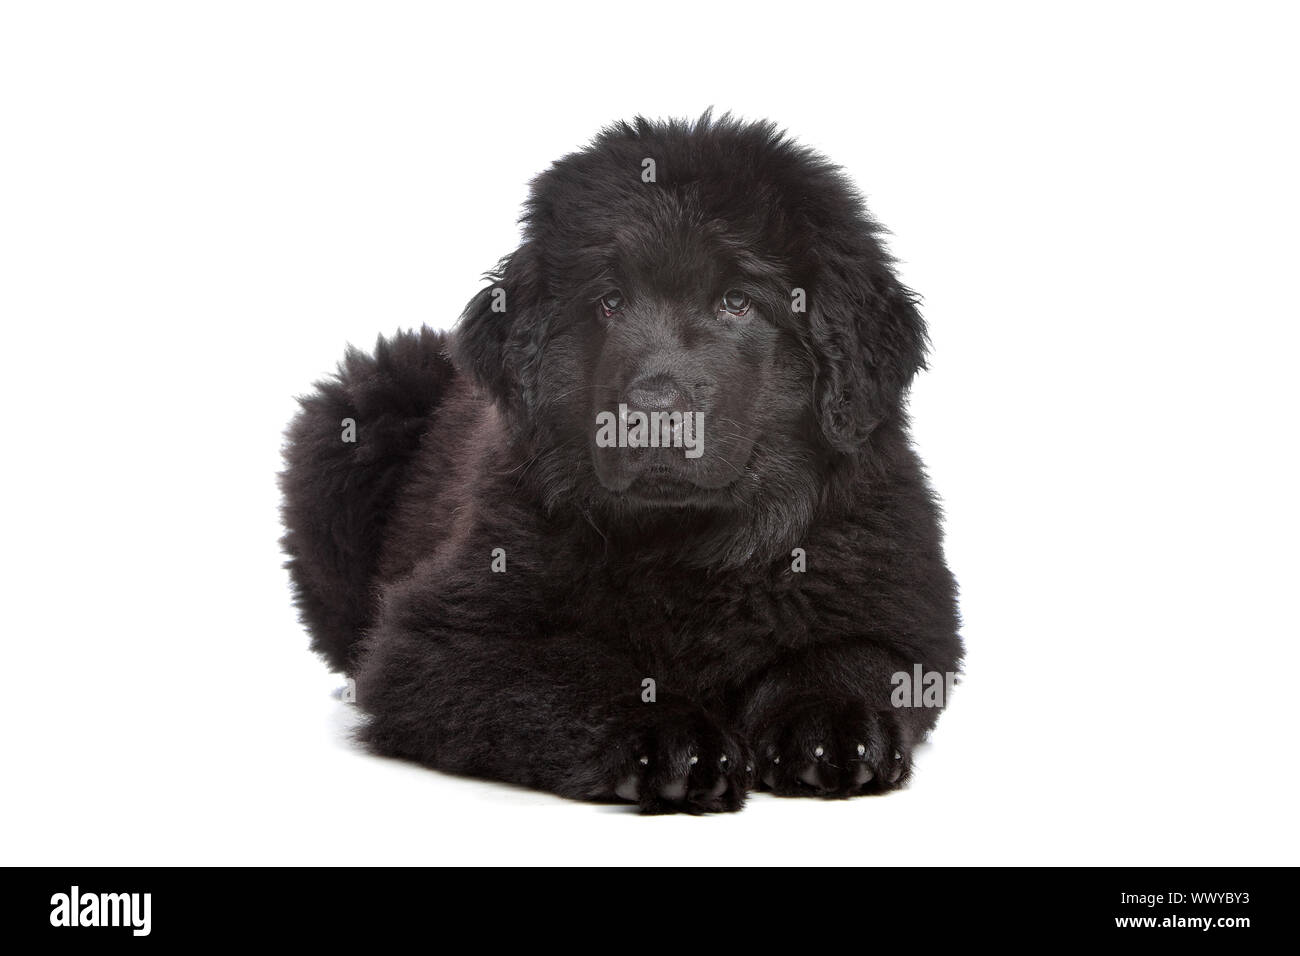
611	302
735	302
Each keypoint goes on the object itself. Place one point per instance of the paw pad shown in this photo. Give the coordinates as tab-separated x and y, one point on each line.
838	749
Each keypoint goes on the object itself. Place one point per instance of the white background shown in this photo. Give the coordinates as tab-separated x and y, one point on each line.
200	204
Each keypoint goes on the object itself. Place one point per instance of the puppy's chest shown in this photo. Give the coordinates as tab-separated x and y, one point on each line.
689	629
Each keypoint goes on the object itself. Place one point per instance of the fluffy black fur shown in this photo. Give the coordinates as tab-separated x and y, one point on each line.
621	564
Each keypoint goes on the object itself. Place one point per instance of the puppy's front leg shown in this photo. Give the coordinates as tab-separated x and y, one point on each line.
831	721
500	698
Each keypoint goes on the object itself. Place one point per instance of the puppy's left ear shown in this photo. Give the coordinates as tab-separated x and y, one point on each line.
868	339
502	331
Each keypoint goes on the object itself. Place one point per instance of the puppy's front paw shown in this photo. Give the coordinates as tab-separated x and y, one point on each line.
832	748
673	757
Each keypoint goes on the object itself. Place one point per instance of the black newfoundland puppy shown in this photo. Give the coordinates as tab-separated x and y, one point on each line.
647	526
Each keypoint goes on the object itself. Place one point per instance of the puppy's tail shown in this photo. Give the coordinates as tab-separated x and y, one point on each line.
345	456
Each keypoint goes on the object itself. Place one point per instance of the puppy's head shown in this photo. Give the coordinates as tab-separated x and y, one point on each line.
700	327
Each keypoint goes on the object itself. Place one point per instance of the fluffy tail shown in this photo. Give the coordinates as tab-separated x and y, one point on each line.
345	455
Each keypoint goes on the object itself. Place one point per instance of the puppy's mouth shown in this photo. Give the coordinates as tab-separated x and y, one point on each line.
660	481
695	475
664	486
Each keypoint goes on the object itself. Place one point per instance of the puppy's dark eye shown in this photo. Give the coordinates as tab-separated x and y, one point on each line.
735	302
611	302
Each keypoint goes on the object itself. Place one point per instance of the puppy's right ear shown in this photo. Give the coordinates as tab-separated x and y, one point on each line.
502	331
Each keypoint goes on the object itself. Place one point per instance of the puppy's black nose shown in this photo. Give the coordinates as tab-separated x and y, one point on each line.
657	393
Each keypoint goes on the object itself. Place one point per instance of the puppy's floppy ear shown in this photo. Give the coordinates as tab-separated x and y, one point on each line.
868	341
502	331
